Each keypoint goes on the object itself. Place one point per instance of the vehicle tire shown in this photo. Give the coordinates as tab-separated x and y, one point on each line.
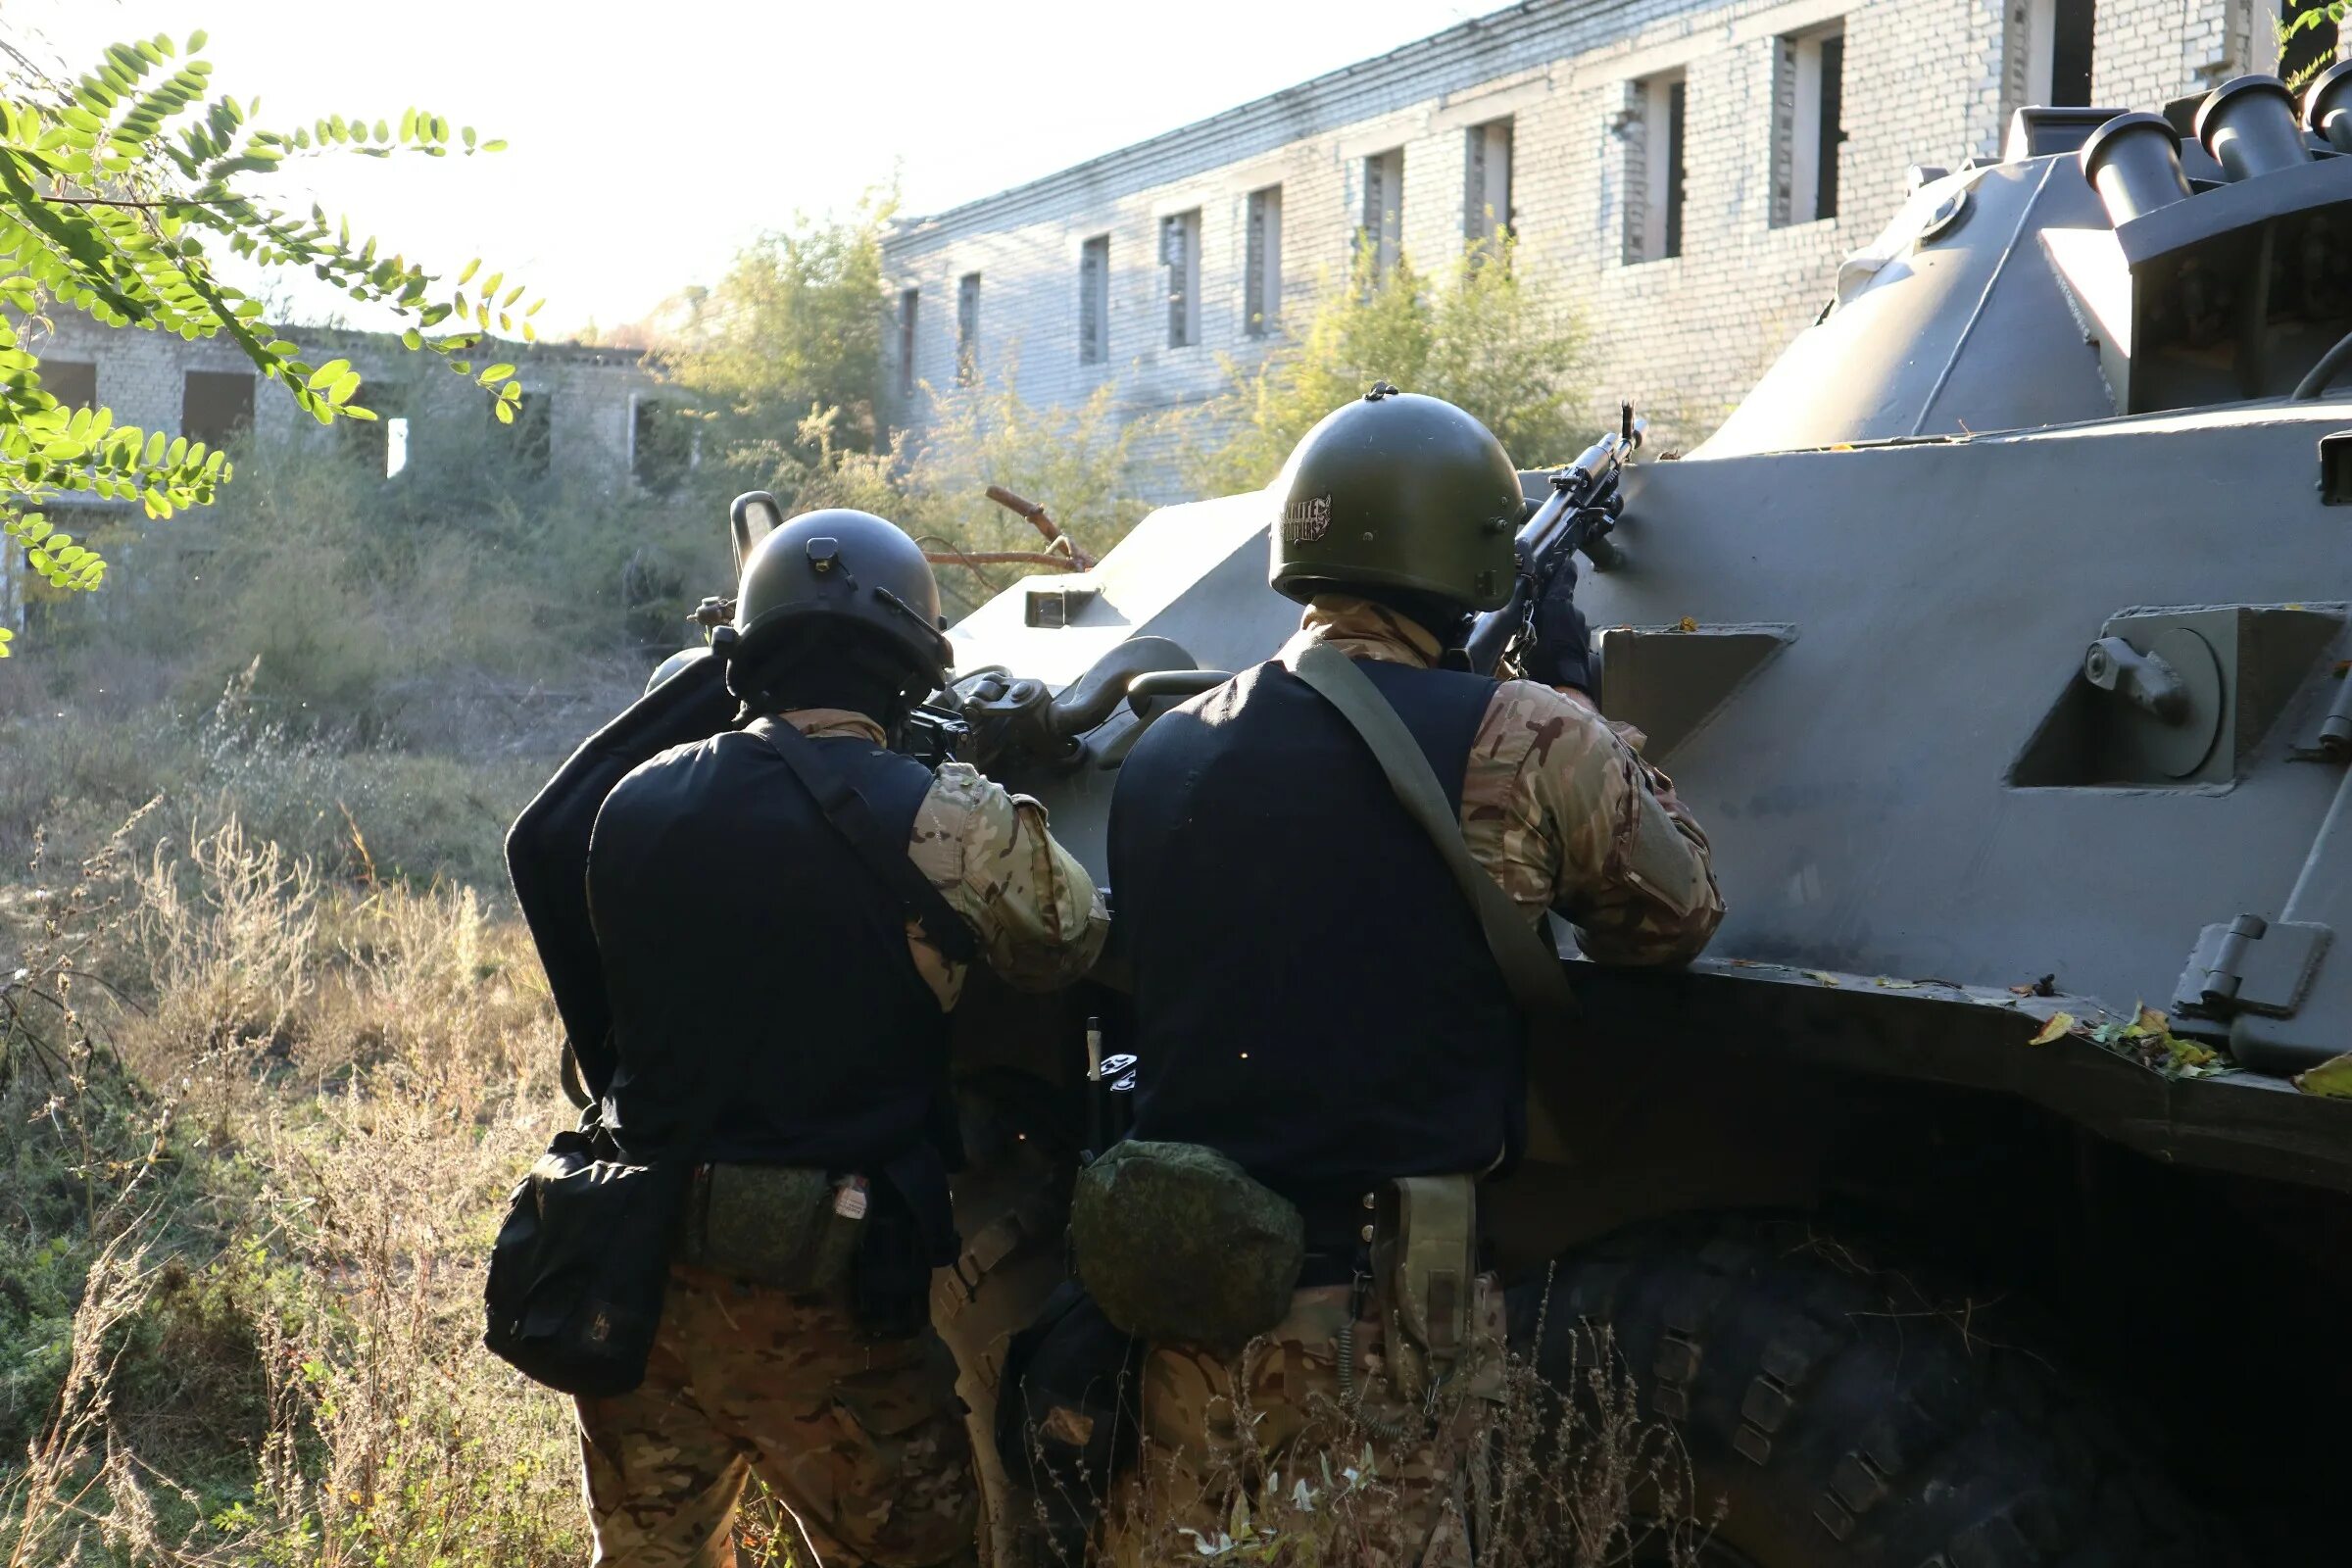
1840	1413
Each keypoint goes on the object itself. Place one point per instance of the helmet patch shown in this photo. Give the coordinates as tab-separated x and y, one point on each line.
1306	521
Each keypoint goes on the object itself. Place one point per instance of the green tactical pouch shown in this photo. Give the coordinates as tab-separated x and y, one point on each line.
1425	1267
1176	1241
778	1225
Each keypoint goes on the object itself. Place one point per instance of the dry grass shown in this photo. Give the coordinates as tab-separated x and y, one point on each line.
277	1295
1537	1477
258	1121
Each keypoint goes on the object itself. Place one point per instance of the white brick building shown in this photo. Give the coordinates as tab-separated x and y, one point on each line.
1690	171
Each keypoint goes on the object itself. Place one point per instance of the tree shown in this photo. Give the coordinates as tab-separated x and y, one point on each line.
115	191
1504	347
795	326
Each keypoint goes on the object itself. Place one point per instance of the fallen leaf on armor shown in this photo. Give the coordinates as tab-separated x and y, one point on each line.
1687	623
2059	1024
2046	986
1822	975
1896	985
2331	1080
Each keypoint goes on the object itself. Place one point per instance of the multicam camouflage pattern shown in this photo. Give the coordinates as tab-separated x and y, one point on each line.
862	1439
1040	919
1234	1441
1559	807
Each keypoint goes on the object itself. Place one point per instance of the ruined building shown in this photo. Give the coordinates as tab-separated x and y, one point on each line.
592	415
1690	172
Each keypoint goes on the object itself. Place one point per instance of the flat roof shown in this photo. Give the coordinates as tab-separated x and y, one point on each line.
1468	54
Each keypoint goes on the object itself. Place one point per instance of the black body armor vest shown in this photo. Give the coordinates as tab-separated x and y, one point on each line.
741	937
1313	996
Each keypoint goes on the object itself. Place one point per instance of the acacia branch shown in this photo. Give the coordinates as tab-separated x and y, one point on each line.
166	204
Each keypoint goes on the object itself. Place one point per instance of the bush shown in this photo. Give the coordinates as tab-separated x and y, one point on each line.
1504	347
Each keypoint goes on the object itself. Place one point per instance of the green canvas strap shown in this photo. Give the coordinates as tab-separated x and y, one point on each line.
1530	967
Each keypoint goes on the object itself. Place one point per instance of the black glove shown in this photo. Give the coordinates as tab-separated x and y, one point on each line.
1563	651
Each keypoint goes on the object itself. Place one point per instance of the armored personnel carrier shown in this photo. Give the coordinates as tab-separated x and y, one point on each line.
1982	1197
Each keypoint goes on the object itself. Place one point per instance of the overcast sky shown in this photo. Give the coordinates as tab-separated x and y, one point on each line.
649	140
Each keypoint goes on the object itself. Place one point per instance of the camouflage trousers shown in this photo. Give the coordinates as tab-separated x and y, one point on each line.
862	1439
1275	1444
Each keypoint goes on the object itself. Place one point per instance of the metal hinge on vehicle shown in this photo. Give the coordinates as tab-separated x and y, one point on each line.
2250	965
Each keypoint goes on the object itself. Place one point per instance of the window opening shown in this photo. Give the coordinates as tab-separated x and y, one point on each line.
1261	284
1093	301
216	406
1486	182
1381	233
1653	215
660	444
1808	103
967	330
909	300
1180	254
2308	35
72	382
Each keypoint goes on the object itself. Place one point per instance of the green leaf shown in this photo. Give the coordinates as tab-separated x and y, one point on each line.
466	277
340	393
332	370
197	40
496	373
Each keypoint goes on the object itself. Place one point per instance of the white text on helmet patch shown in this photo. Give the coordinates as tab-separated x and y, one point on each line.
1306	521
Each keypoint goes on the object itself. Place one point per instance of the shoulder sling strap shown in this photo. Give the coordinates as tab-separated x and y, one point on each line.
1530	967
855	820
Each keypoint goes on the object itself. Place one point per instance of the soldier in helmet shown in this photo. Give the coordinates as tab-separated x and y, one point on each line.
1313	996
785	913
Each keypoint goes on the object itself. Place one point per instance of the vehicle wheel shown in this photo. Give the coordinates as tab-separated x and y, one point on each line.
1843	1414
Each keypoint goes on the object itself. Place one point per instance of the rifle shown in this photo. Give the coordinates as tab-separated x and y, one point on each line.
1583	507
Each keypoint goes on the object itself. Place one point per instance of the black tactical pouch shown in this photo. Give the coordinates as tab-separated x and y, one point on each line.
580	1266
1069	1415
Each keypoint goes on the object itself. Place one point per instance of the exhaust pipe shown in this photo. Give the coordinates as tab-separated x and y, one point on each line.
2328	106
2248	125
2133	162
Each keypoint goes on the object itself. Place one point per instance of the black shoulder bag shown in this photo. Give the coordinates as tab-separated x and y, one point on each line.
581	1264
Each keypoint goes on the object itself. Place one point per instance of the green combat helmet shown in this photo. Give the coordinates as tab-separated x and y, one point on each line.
1398	491
836	580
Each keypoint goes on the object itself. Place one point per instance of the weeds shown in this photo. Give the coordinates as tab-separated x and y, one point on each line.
258	1121
289	1320
1522	1472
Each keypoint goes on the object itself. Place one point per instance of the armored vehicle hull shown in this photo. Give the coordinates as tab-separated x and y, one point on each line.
1977	1198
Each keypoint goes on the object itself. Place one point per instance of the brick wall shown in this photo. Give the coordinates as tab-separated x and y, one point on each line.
1928	81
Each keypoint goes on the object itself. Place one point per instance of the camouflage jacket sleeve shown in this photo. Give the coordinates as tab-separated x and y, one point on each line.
1564	812
1036	912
